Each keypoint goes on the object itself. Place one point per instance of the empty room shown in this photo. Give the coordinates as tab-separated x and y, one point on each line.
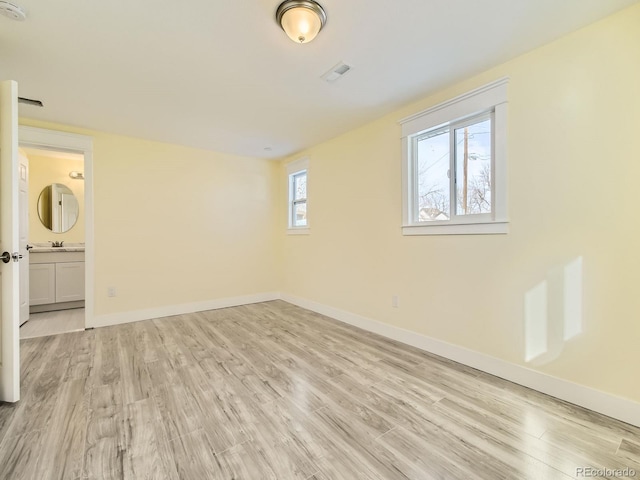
319	240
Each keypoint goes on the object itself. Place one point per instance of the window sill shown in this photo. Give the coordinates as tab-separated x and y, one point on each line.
488	228
298	231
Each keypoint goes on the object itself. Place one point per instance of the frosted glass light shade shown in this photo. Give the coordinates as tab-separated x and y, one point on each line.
301	19
301	24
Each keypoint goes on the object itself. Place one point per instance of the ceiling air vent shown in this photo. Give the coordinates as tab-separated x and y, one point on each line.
29	101
336	72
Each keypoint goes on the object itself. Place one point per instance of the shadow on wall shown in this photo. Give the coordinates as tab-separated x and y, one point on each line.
553	313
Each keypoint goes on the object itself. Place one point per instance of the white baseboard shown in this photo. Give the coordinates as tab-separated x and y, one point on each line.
170	310
613	406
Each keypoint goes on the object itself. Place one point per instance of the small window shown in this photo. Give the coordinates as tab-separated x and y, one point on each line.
299	199
454	167
298	203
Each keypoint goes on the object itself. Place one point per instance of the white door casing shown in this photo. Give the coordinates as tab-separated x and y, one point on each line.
63	141
9	242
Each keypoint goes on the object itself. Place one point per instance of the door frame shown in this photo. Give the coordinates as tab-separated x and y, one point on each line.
71	142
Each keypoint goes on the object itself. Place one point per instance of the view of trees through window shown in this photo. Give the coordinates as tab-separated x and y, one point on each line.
299	186
472	169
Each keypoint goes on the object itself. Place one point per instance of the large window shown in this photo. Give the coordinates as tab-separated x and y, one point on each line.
298	203
454	170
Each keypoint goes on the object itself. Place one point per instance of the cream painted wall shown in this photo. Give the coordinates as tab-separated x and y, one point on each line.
176	225
44	171
574	174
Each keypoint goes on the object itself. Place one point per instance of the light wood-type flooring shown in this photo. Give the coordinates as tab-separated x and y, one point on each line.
53	323
272	391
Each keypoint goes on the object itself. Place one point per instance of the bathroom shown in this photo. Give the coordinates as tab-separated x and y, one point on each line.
53	230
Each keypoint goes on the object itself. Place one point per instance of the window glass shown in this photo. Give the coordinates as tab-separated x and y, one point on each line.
432	175
473	168
300	215
300	186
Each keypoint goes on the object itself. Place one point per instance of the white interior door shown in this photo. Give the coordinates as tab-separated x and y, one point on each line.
69	211
56	209
9	242
23	188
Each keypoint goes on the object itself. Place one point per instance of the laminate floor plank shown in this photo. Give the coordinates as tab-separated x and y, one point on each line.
29	351
262	391
194	345
136	382
178	410
273	391
19	456
162	372
288	349
467	390
221	409
318	476
353	450
286	385
629	450
529	456
33	355
105	439
588	450
554	411
292	426
434	463
147	453
65	438
7	412
35	412
106	364
336	399
81	357
250	461
195	458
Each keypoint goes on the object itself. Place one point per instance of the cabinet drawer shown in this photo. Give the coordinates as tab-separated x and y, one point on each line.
55	257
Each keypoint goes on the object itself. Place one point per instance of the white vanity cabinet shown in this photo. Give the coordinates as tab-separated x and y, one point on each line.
42	283
69	281
56	280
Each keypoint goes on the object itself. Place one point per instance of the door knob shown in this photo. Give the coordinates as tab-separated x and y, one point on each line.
6	257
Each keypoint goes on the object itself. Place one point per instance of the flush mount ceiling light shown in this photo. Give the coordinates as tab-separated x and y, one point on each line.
301	20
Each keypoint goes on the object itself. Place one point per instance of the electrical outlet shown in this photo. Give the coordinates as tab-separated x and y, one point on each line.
111	292
395	301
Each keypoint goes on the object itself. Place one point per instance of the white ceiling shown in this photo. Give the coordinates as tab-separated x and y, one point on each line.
221	75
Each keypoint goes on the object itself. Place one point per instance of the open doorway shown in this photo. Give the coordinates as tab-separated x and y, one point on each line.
56	294
55	241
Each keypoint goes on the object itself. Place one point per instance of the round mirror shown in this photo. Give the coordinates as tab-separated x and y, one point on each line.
58	208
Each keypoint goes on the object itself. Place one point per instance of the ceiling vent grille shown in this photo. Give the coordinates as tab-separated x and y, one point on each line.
336	72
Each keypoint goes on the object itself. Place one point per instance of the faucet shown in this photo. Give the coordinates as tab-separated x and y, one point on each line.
57	244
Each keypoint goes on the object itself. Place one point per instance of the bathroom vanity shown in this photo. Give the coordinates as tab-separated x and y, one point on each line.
56	278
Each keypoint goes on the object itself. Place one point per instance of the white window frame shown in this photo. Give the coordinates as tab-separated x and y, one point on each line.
293	169
489	100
